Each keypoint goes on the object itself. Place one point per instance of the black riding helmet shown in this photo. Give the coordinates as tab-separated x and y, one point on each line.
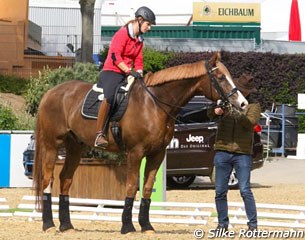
146	14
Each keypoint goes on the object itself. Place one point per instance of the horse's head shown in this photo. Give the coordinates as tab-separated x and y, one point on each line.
224	87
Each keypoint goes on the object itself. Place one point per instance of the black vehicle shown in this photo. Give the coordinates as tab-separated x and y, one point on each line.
191	151
28	158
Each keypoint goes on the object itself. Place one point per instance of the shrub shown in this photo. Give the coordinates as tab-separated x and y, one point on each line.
13	84
8	120
48	78
11	121
154	60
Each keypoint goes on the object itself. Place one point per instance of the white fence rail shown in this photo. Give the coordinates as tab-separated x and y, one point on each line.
4	209
111	210
271	215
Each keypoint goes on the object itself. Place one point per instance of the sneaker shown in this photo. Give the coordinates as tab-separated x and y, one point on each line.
251	229
221	228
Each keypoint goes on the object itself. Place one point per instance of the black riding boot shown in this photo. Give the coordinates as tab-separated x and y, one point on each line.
47	216
127	226
64	213
144	215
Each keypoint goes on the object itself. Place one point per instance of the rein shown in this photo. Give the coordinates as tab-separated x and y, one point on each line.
224	103
158	101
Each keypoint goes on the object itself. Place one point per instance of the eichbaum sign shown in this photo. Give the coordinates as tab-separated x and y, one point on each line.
226	12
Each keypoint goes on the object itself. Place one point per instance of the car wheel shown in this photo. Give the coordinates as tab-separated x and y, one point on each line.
233	181
180	182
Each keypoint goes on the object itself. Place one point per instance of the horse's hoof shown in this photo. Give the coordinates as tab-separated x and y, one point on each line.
147	228
48	226
50	230
66	228
149	232
127	229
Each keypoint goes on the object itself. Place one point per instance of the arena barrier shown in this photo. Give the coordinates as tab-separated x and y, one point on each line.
269	215
12	146
111	210
4	208
273	215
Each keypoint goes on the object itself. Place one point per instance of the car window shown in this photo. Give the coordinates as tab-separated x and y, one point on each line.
195	111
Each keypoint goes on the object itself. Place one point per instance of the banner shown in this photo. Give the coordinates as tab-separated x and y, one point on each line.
226	12
159	188
12	147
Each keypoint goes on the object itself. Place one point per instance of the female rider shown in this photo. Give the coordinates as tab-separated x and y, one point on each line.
124	58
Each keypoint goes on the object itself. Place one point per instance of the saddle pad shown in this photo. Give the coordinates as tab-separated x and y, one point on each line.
91	104
95	96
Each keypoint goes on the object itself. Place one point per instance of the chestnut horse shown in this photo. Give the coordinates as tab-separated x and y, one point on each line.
147	127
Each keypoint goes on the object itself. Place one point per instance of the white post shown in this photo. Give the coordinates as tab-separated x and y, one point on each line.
300	151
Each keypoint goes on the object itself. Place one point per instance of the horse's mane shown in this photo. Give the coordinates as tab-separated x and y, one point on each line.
191	70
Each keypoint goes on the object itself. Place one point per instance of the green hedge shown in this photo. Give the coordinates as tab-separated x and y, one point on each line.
50	78
278	77
13	84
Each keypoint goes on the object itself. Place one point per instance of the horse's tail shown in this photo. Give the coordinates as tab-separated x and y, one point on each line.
37	171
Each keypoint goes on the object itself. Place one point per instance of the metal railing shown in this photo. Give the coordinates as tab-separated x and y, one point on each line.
282	117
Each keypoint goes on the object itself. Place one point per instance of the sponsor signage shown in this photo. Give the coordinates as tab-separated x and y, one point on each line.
159	188
226	12
12	146
191	141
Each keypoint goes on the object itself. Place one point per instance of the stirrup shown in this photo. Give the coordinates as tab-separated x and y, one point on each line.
101	145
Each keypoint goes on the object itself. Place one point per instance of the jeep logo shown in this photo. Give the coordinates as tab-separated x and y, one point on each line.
199	139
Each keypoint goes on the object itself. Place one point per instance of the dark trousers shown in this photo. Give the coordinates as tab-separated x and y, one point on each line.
109	80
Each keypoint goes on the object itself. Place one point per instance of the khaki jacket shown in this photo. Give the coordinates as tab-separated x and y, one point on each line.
235	133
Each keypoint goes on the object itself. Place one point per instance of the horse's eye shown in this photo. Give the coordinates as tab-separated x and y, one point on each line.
222	78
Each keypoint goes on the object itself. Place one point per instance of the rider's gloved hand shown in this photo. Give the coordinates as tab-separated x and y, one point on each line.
135	74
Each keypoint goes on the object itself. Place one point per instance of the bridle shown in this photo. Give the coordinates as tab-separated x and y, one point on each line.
224	98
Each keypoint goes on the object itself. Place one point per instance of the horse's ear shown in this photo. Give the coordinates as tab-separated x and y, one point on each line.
215	58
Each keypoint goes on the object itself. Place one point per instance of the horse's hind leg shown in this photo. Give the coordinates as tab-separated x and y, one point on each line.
73	154
47	216
153	163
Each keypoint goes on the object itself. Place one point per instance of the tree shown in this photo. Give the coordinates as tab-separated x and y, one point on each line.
87	12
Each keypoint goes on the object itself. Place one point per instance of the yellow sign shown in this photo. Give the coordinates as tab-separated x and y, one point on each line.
226	12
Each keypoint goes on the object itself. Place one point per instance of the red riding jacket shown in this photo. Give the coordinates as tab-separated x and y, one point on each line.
124	48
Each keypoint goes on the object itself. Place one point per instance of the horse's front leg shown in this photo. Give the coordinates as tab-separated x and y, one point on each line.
134	159
153	163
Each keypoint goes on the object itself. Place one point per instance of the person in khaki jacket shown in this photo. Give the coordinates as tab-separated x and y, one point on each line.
233	148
